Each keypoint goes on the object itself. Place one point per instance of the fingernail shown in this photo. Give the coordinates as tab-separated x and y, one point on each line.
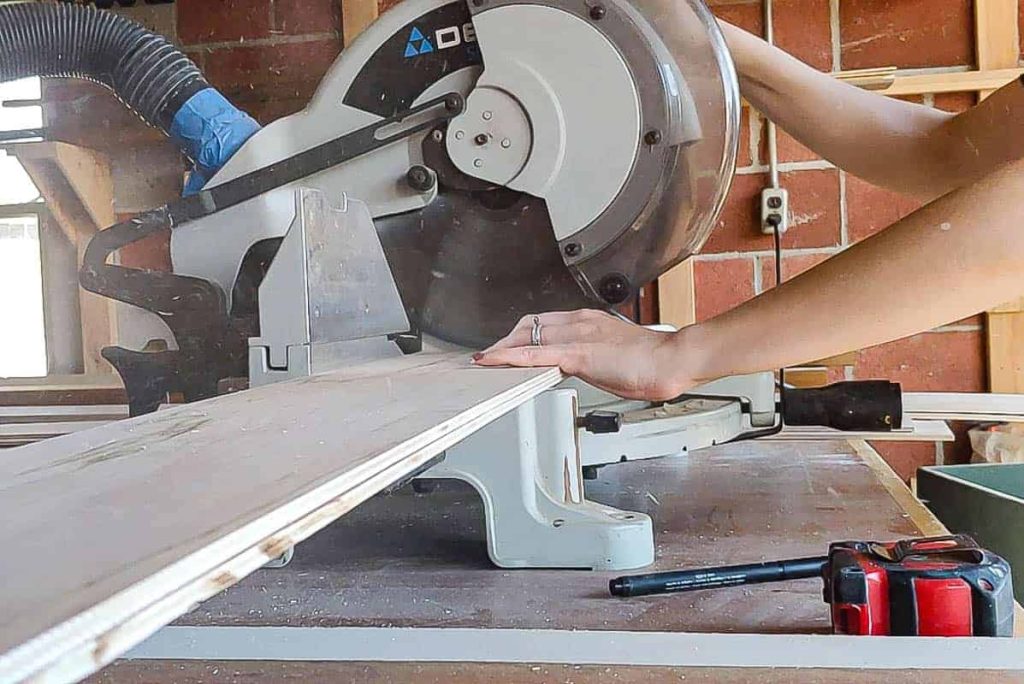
477	356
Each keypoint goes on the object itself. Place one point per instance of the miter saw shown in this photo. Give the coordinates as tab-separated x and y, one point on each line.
462	164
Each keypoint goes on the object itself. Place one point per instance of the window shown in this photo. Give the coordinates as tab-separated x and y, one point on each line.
22	330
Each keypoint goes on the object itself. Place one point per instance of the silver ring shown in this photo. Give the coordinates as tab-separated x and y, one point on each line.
535	333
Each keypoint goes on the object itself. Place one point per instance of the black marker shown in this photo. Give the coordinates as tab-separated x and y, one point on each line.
710	578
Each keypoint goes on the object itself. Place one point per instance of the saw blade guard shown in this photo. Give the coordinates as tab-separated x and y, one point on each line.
623	117
683	205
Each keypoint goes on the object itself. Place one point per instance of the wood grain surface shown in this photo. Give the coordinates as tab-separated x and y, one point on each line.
110	533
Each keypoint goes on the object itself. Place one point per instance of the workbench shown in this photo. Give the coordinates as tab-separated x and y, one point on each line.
410	562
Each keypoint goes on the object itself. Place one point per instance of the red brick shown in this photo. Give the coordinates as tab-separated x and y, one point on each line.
743	157
929	362
977	319
748	15
722	285
203	21
803	28
814	213
293	17
906	33
870	208
792	266
955	102
906	457
284	71
267	109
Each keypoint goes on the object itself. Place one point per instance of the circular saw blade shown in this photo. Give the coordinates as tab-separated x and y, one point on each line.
472	263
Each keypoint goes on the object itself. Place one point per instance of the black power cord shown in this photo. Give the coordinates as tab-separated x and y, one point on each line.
781	405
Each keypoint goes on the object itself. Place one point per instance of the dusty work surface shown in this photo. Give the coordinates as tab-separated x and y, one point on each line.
420	560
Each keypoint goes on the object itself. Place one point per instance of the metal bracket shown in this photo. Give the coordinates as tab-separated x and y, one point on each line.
329	296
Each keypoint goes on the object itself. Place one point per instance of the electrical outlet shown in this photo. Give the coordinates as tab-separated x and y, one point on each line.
774	210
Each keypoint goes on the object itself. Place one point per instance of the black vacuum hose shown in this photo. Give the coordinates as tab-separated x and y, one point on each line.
151	76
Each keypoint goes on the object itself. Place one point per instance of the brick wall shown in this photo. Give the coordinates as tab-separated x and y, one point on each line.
267	56
831	209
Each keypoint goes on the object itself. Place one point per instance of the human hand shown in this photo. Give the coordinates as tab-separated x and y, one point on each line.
619	357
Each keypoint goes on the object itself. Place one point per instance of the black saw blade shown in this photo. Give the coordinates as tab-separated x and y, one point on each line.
473	262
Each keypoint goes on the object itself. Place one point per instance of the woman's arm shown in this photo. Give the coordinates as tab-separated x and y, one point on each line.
906	147
959	255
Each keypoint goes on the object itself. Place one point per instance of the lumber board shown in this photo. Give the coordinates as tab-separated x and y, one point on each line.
1005	347
55	414
677	299
582	647
356	15
952	82
17	434
111	533
912	431
53	390
997	38
362	672
966	406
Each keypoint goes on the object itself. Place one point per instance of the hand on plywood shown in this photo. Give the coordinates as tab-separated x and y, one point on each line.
614	355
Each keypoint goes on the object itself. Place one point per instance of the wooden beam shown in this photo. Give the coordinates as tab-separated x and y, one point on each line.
77	186
997	46
967	406
913	430
677	301
356	15
86	172
116	531
997	38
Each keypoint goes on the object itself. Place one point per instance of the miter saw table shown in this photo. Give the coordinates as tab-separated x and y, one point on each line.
464	163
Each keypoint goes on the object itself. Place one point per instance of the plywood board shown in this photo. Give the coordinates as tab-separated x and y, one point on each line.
264	672
966	406
110	533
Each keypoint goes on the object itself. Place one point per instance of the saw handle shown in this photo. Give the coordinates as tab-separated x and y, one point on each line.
868	405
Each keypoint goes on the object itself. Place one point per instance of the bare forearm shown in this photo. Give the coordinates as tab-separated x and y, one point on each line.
885	141
959	255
